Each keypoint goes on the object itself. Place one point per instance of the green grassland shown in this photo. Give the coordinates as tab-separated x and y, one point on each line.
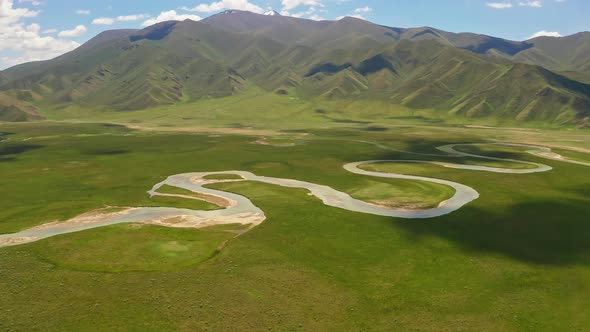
515	259
402	194
289	98
245	111
585	157
166	189
222	177
504	152
134	248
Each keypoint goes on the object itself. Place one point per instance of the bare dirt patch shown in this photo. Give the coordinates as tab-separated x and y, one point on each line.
202	181
92	217
245	218
210	198
16	240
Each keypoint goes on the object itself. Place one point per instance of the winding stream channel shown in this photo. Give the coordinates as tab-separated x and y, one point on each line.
240	210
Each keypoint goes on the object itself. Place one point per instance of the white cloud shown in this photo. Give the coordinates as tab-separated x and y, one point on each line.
20	42
32	2
510	4
360	17
226	4
357	13
49	31
313	11
500	5
316	17
544	33
103	21
535	4
33	27
308	13
290	4
365	9
9	14
171	15
83	12
127	18
75	32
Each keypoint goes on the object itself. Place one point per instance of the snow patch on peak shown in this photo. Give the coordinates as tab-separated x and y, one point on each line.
272	12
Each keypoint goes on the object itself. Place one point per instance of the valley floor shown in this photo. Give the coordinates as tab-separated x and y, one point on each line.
517	258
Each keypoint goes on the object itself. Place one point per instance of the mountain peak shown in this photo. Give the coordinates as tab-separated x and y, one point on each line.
272	12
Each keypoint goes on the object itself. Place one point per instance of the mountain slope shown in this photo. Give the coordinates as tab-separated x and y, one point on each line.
430	75
570	55
16	108
174	62
162	64
340	33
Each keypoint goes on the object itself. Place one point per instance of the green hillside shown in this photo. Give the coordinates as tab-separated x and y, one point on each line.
182	62
569	55
15	106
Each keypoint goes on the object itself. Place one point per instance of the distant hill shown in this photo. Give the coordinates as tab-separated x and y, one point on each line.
351	30
171	62
17	108
569	54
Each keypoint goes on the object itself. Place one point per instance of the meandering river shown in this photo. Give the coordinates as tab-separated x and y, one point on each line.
241	210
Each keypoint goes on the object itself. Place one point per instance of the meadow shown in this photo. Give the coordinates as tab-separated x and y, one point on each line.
517	258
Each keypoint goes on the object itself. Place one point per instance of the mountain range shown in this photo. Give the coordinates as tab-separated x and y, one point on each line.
464	74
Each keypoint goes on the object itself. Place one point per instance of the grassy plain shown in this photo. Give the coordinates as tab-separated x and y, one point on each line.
222	177
402	194
257	109
515	259
134	248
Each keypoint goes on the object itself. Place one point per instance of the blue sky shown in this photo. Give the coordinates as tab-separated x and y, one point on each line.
41	29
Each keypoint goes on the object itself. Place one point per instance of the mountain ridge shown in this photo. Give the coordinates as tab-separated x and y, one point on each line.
225	54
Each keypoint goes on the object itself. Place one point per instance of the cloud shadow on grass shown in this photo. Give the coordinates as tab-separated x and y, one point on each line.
538	230
541	232
16	149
